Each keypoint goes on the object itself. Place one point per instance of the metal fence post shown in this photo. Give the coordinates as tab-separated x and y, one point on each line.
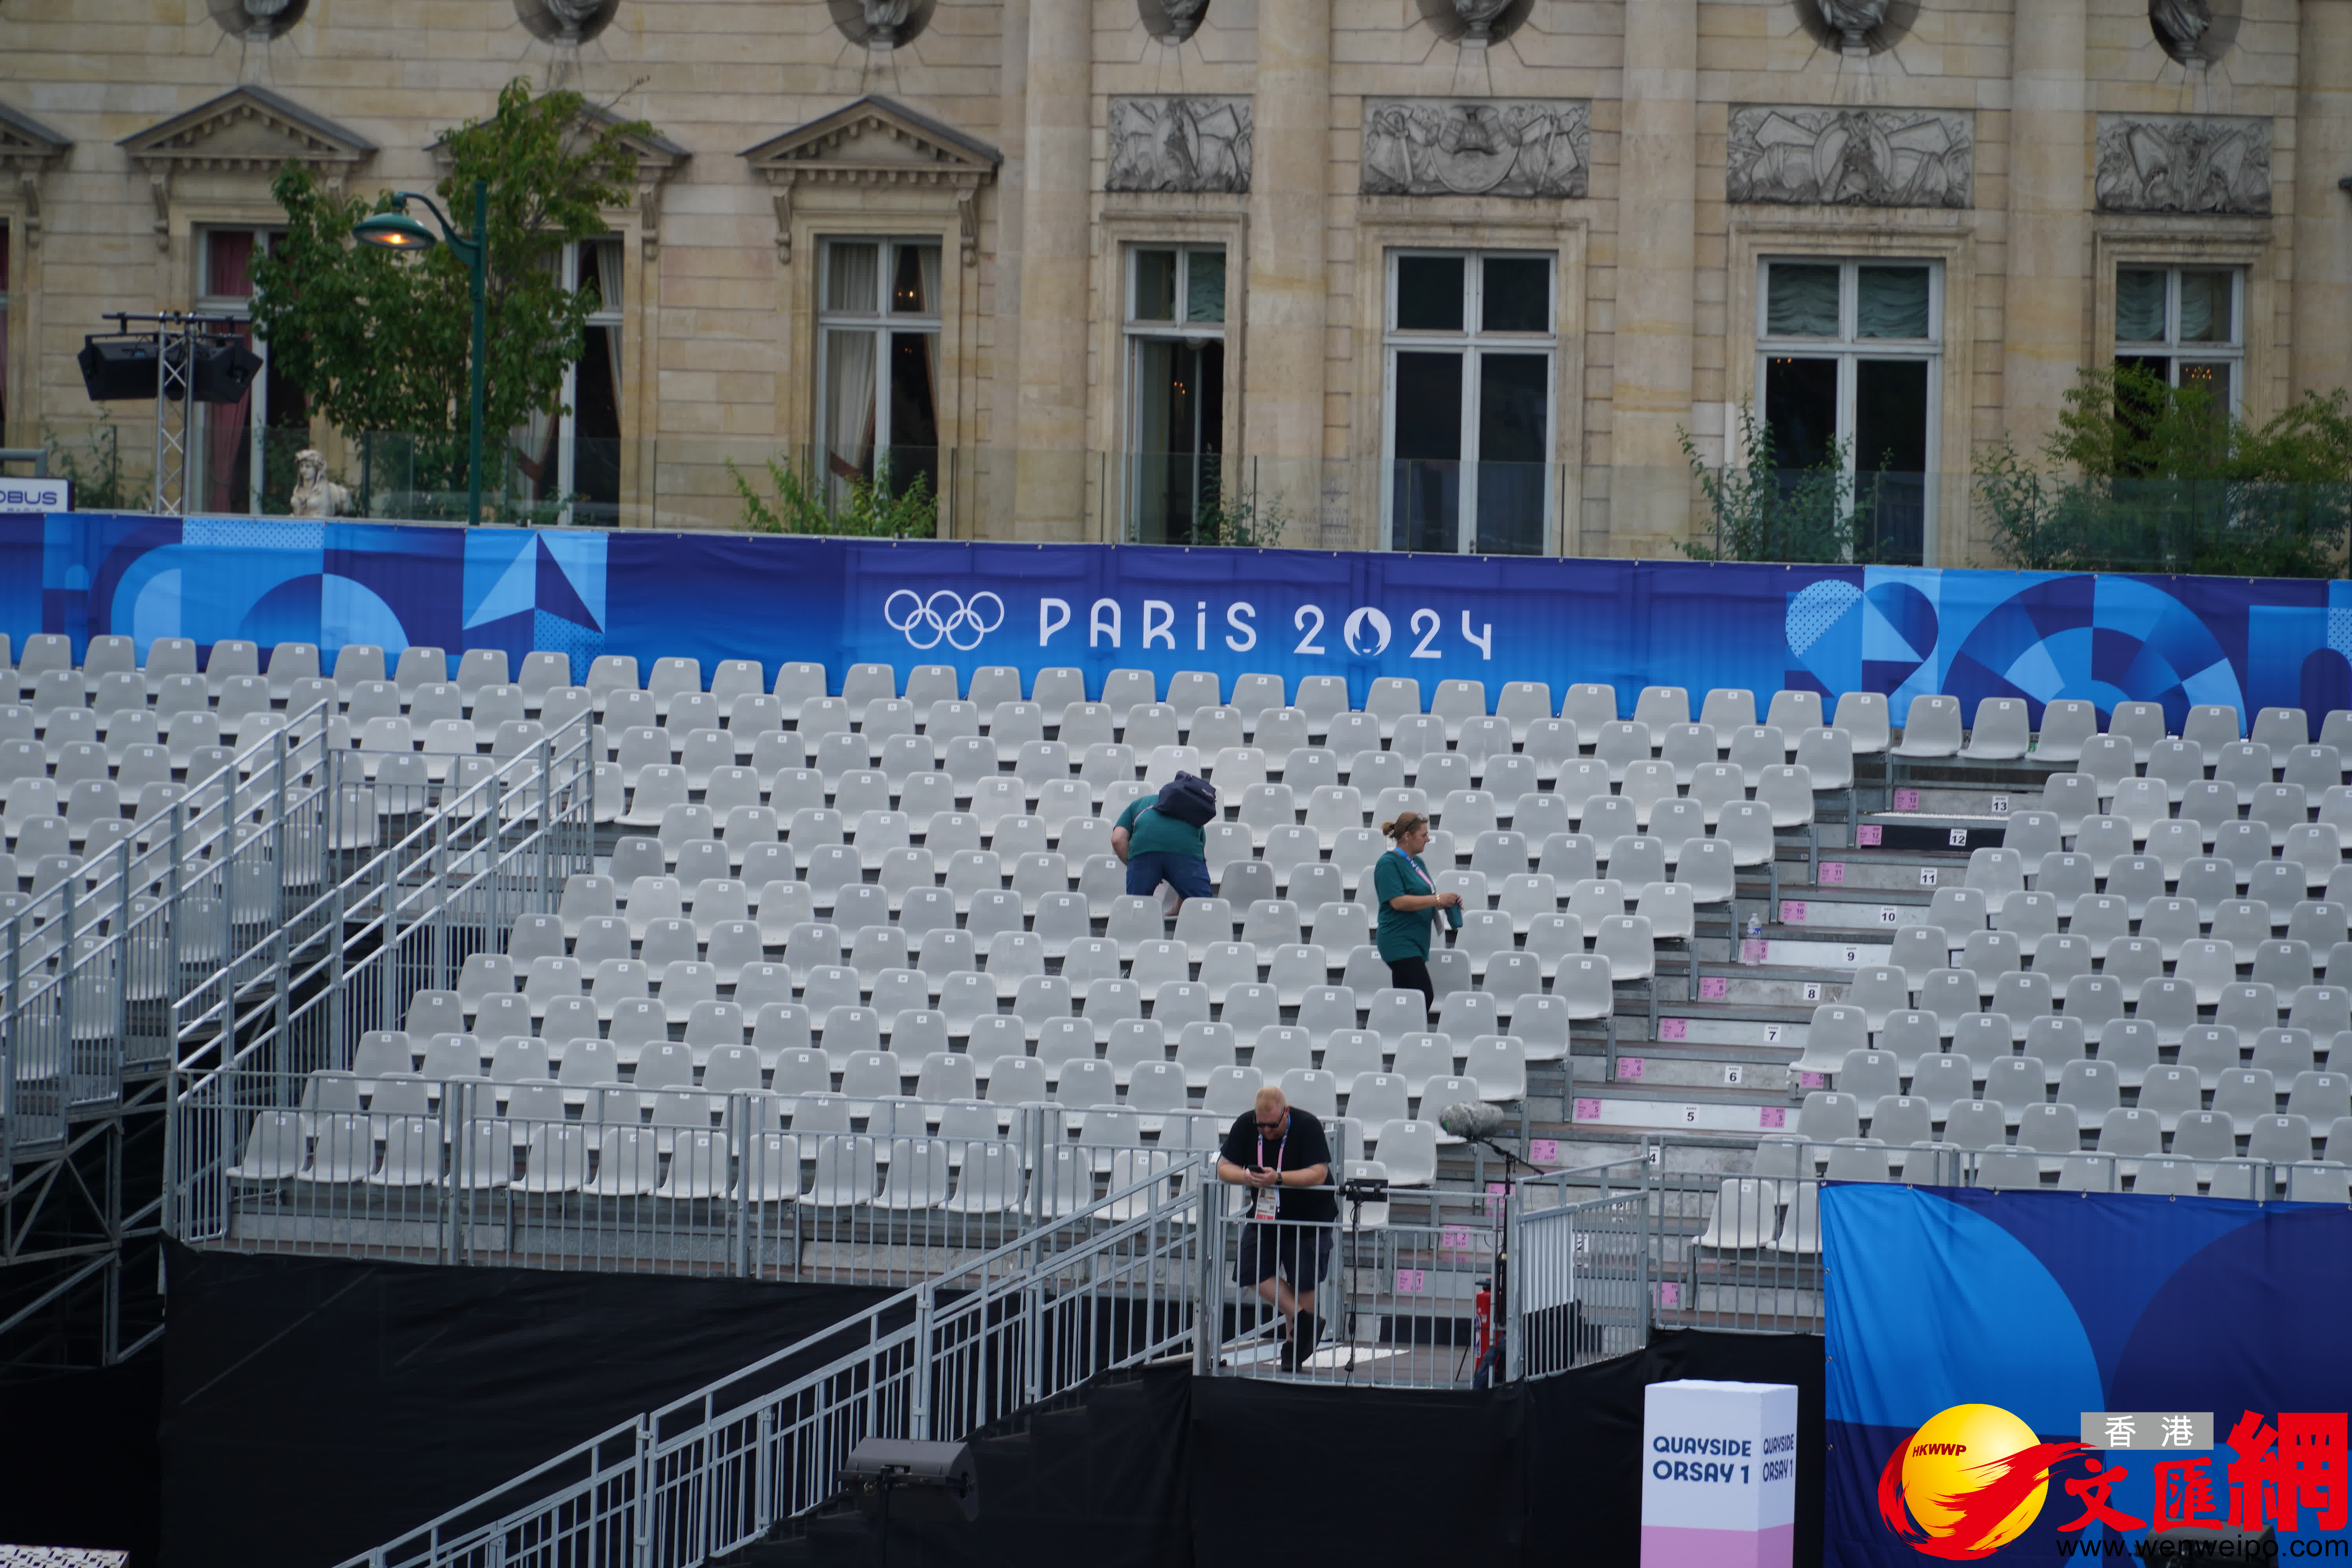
1515	1339
643	1554
918	1418
1646	1309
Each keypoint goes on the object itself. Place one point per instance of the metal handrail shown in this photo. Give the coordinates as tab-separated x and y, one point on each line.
713	1441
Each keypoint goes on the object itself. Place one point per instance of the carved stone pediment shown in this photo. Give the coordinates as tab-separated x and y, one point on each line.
1850	157
1180	144
26	142
27	149
2184	164
875	142
1476	146
249	129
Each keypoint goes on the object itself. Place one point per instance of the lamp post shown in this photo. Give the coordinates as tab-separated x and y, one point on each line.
395	230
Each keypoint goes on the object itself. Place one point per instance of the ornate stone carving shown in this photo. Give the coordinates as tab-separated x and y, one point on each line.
1850	157
1854	19
1476	147
2184	164
1179	144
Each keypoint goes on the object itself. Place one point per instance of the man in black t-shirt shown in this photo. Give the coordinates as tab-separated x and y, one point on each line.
1277	1155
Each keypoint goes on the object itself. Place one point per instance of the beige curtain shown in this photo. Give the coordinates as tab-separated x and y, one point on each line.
849	398
608	290
931	306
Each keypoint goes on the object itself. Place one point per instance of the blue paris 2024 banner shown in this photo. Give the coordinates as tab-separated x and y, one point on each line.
2040	1377
1901	631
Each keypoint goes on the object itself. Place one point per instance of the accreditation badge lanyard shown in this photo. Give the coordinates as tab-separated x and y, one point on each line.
1262	1206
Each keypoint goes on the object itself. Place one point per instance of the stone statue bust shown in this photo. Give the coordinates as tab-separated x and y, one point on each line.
261	17
1852	19
571	16
1184	19
316	495
882	20
1480	17
2183	23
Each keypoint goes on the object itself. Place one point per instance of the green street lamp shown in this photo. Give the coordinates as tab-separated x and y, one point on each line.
395	230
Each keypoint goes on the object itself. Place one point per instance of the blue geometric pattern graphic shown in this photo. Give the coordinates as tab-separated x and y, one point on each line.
1903	631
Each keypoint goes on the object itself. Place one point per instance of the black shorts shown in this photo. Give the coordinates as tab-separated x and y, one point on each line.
1264	1248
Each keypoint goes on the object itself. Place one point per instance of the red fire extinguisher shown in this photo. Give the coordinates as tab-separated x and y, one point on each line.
1482	1311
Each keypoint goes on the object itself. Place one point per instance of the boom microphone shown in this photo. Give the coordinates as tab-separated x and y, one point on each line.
1473	1121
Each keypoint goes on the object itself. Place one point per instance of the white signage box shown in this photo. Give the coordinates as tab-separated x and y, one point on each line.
35	495
1718	1474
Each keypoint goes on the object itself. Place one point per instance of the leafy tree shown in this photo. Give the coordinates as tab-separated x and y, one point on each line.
2146	477
379	340
1764	512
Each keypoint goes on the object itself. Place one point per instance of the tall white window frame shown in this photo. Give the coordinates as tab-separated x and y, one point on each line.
550	458
1487	484
1177	301
1886	393
874	388
2204	338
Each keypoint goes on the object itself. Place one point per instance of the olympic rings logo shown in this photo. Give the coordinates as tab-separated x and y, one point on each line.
945	617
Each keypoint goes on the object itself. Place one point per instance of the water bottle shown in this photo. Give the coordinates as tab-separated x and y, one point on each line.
1755	928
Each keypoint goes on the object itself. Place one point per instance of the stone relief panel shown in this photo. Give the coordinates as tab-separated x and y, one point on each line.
1476	147
2184	164
1179	144
1850	157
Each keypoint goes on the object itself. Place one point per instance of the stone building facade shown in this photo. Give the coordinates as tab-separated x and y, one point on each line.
1441	274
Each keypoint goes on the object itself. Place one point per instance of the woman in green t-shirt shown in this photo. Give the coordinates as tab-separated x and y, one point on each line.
1407	898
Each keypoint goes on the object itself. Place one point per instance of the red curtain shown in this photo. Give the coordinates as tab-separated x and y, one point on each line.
228	274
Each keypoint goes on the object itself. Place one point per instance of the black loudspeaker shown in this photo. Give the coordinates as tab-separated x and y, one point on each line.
121	369
931	1480
118	369
225	370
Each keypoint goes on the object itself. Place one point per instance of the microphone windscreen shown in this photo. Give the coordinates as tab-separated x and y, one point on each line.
1472	1119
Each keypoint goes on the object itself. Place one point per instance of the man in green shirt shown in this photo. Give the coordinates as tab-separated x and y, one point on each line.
1157	848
